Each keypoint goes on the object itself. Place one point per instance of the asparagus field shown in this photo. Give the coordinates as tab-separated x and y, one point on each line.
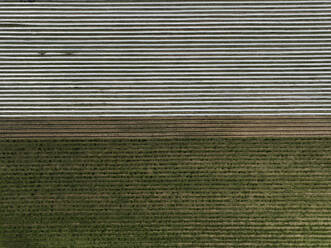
188	192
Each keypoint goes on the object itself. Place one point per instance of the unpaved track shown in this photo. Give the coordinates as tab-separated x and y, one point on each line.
311	126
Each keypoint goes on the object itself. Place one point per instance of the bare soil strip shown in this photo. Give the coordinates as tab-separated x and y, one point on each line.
138	127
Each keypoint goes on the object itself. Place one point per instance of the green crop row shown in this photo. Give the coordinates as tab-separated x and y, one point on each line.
194	192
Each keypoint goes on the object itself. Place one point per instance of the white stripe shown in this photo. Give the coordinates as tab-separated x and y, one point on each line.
200	55
266	86
163	74
309	5
159	14
151	71
171	33
187	89
150	78
236	3
141	50
160	26
289	107
157	17
170	94
165	111
159	64
151	83
124	103
173	62
161	98
166	115
162	23
191	11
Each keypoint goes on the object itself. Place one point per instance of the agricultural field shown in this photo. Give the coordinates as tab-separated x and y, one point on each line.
133	124
176	192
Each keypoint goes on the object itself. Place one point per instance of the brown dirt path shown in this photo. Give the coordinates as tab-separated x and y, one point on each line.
255	126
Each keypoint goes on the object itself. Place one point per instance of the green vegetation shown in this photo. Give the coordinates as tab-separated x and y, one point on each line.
244	192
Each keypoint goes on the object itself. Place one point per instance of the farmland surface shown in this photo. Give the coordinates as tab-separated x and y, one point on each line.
165	123
188	192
